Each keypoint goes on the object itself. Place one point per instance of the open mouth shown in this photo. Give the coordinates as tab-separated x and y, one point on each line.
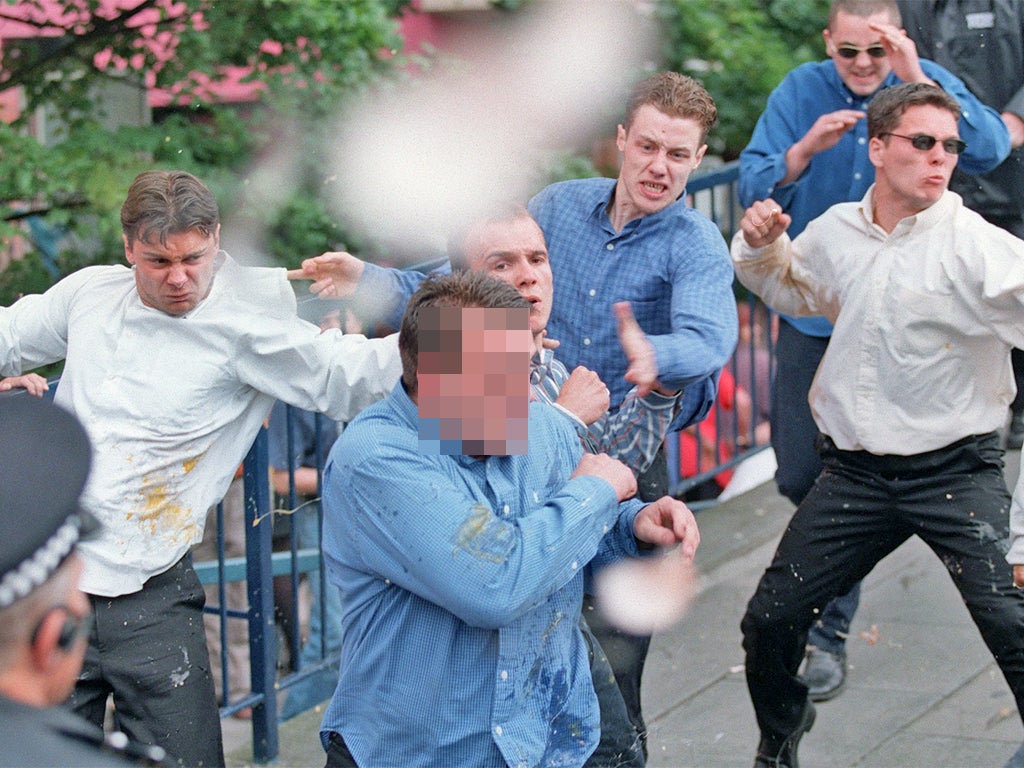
653	188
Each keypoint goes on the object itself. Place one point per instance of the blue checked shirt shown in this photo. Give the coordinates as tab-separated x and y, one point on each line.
632	434
461	583
672	266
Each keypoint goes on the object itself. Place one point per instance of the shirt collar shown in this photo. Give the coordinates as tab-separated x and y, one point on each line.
832	75
539	365
404	406
939	210
602	205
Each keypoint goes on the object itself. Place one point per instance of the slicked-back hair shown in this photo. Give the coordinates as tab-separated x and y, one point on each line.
459	289
886	109
675	95
162	203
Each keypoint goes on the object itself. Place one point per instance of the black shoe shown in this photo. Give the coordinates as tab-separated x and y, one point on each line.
785	755
824	673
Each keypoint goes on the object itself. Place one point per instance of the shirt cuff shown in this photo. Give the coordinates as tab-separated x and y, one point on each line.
576	420
659	402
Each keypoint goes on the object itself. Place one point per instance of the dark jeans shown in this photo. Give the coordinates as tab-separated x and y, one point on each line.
794	433
620	745
148	649
862	508
627	653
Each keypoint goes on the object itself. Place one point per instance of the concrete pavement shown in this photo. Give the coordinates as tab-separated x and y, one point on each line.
922	690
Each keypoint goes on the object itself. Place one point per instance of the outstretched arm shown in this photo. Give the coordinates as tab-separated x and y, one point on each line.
378	292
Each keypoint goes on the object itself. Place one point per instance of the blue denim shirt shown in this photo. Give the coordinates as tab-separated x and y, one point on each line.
461	583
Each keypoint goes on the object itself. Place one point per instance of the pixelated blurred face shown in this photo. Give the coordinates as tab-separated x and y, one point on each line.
176	275
514	252
473	381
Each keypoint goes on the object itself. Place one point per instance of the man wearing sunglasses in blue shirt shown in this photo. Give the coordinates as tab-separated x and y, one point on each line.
808	152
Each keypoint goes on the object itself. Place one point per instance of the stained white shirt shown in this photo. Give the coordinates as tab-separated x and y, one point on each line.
172	404
925	317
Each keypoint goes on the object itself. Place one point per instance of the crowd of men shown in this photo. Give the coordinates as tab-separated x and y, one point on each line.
506	443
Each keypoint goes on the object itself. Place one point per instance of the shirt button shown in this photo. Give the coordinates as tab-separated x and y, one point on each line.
505	509
574	565
504	674
861	140
610	246
497	730
593	292
586	342
856	176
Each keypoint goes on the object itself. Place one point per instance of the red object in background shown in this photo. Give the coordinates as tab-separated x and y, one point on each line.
722	414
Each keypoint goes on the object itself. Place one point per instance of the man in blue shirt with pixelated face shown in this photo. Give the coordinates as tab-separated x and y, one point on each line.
461	566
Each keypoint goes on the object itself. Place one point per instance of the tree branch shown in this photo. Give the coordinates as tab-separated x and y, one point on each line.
99	28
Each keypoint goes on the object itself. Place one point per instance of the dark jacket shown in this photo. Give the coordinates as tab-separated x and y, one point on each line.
982	42
31	737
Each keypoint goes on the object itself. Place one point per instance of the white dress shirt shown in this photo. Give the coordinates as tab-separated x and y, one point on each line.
172	404
925	317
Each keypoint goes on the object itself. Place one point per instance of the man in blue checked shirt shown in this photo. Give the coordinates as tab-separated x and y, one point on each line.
460	521
632	239
508	245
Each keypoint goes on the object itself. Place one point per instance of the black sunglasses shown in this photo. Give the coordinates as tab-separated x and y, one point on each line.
925	142
852	51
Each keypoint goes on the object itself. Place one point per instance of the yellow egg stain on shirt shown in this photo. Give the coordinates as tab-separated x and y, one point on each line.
159	509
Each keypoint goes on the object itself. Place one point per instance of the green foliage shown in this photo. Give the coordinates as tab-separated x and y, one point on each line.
740	50
304	228
308	57
563	166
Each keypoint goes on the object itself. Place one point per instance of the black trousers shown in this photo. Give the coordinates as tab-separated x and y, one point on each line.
863	507
148	649
627	653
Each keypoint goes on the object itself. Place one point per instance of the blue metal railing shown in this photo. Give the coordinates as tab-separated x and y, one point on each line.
714	194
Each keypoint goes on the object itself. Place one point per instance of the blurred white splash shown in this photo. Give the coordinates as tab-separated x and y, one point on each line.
646	595
414	159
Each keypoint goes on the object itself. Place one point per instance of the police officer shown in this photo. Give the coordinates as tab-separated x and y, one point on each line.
44	618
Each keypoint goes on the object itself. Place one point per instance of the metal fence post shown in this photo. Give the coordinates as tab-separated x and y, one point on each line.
260	579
